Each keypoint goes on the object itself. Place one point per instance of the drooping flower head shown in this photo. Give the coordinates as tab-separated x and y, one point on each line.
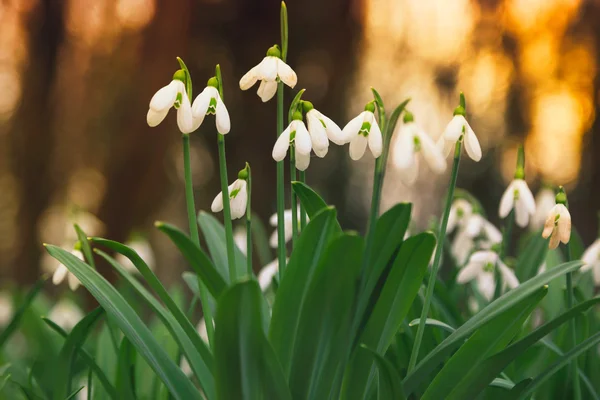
209	102
362	130
475	233
558	222
481	266
269	72
321	129
460	211
296	134
61	272
287	226
172	95
411	140
238	196
518	196
458	129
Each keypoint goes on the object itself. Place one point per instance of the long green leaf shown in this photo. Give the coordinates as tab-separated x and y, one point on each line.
16	318
389	386
531	257
325	319
432	322
126	370
476	380
398	293
130	323
312	202
198	260
86	249
192	346
291	294
246	366
487	340
498	306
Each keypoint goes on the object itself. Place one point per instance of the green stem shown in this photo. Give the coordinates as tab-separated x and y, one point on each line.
226	208
438	256
573	365
249	223
280	189
506	235
191	212
302	177
293	195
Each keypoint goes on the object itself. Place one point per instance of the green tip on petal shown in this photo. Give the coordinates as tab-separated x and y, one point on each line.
408	117
561	196
179	75
274	51
460	110
77	246
307	106
243	174
214	82
297	116
370	106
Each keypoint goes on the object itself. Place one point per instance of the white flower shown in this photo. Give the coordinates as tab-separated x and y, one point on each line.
287	226
453	133
475	232
143	249
322	129
172	95
6	308
519	197
460	211
557	226
412	140
363	130
209	102
481	266
241	239
269	71
238	198
61	272
297	133
267	273
65	314
591	260
544	201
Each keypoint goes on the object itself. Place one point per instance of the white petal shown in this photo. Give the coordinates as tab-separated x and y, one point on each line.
549	224
59	274
302	140
445	146
239	202
408	175
472	145
321	153
493	234
591	255
462	246
454	129
166	96
486	285
358	145
597	274
73	281
469	272
267	90
375	139
507	202
404	148
351	129
281	145
286	73
318	135
484	257
217	204
185	120
302	161
153	118
265	276
222	117
334	132
508	276
554	239
521	215
267	69
273	242
564	224
474	225
202	101
249	79
544	201
526	196
434	157
273	220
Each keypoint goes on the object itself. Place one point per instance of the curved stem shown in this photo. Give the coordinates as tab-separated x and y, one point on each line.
280	189
293	195
191	212
226	208
436	261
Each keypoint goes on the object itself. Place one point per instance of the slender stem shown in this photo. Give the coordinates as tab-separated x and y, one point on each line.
293	195
506	235
226	208
302	178
249	223
280	189
573	369
191	212
436	261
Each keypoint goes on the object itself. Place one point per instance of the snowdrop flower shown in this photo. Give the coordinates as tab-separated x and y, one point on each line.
65	314
321	129
287	226
172	95
296	133
591	261
412	140
238	197
269	72
363	130
6	309
209	102
240	239
558	223
142	247
544	201
481	266
460	211
476	232
459	129
267	273
61	272
519	197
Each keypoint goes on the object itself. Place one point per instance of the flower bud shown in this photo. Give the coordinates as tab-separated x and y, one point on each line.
370	106
179	75
274	51
307	106
214	82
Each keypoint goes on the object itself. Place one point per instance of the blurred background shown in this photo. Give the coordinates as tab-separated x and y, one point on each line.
76	77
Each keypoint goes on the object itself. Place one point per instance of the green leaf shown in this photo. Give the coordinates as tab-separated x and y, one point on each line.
294	105
260	240
130	323
126	370
246	366
312	202
214	234
72	395
531	257
325	319
85	246
291	295
16	318
192	346
476	380
66	358
400	288
200	263
487	340
519	388
495	308
502	384
391	124
560	363
432	322
380	106
389	387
